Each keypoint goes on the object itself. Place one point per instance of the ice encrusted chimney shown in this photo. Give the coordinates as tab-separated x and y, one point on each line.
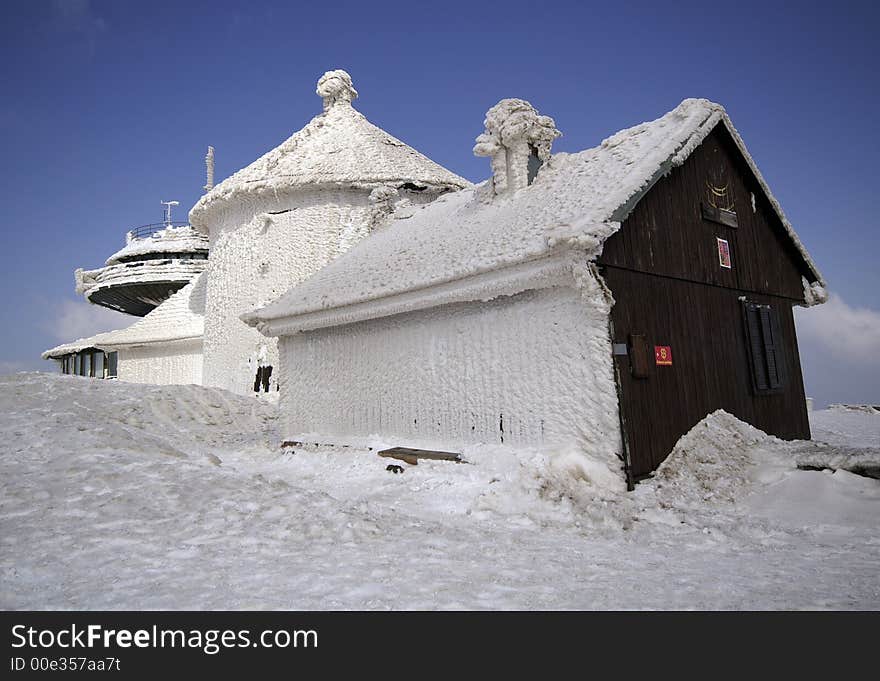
335	87
517	139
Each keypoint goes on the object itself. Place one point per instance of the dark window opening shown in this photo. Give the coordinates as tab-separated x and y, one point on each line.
153	257
261	380
112	362
765	348
534	164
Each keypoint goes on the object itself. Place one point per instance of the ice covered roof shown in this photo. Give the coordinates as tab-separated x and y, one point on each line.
182	239
337	147
577	201
180	317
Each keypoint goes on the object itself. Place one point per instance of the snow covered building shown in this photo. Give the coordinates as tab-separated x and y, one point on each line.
606	300
162	348
292	211
262	230
156	261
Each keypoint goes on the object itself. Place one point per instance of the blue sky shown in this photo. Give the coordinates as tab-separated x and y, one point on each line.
107	108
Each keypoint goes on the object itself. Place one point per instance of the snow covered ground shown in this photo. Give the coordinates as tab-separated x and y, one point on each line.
116	495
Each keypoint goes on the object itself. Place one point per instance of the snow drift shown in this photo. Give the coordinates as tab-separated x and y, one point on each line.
116	495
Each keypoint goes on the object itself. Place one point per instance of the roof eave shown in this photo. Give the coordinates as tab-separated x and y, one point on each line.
550	269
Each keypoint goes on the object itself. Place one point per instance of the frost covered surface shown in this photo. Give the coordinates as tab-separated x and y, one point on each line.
124	496
182	239
510	371
576	201
339	147
172	270
181	316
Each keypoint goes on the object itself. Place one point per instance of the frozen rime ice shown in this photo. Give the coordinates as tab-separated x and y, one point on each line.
513	130
337	148
576	202
180	317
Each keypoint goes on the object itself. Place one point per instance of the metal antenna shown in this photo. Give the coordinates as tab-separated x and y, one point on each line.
209	169
168	205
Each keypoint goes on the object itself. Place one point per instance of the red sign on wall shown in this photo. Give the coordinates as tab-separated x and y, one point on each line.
663	355
723	253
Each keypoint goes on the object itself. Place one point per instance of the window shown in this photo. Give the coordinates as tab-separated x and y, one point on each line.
112	361
765	348
534	164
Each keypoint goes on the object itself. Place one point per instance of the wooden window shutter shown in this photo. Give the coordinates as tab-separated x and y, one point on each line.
765	347
639	355
756	347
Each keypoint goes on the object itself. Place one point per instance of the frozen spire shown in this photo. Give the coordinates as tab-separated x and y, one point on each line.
335	87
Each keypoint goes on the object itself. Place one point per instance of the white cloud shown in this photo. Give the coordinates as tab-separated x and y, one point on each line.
846	332
840	352
74	319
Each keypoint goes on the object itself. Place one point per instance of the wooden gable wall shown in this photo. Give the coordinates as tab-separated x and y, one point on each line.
670	291
666	234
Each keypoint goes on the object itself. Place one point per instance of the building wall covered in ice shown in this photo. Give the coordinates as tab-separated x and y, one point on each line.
162	363
526	370
260	247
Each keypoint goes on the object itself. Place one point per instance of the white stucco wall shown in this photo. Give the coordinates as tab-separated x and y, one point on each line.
445	377
259	248
162	363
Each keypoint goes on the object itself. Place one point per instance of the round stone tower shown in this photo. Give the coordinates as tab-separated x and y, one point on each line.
285	216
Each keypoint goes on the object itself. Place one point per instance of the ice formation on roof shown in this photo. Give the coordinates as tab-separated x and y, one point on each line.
339	147
576	202
180	317
73	346
335	87
183	239
513	129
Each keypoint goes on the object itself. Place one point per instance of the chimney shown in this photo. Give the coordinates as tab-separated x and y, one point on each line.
517	140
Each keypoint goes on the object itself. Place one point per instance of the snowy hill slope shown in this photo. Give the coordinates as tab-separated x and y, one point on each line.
116	495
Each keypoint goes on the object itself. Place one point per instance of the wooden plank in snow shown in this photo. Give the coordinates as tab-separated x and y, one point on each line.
412	456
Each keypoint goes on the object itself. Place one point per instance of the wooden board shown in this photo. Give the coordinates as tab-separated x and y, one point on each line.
412	456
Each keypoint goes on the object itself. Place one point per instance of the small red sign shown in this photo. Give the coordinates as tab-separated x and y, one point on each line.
723	253
663	355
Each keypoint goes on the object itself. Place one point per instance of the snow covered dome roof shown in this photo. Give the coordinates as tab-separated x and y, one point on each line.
337	147
577	201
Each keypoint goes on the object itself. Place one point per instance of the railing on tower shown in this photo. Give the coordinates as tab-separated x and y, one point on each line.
145	231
